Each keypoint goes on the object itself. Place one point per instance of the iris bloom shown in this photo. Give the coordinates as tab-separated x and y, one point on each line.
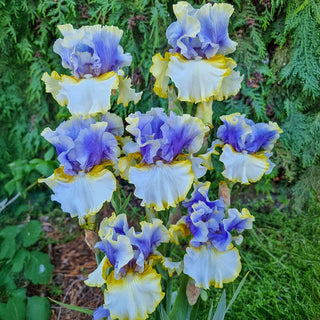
85	147
160	161
196	63
246	147
211	258
95	58
133	286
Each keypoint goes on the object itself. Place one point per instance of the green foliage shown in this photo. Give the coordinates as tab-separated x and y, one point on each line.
20	264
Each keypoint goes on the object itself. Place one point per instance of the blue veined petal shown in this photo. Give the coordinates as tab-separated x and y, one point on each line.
234	131
181	133
167	183
214	20
82	195
118	223
101	314
119	252
182	34
115	124
209	266
263	136
244	135
220	239
238	221
146	130
200	194
133	296
150	237
81	144
243	167
93	50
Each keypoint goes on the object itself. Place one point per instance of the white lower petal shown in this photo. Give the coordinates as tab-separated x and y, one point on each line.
209	266
133	296
197	80
243	167
231	84
162	185
84	194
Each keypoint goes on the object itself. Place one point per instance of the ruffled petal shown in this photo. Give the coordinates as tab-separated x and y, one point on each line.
214	20
88	96
198	80
133	296
243	167
119	252
238	221
208	266
159	71
53	86
206	157
181	32
115	124
231	84
97	278
118	223
150	237
162	185
126	93
84	194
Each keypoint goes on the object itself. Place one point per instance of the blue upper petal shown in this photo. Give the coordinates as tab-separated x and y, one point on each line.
245	135
82	144
92	50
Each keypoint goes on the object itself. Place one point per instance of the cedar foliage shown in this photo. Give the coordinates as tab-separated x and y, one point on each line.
278	53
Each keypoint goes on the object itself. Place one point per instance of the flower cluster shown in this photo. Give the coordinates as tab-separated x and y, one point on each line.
130	255
94	56
196	63
246	147
211	258
163	155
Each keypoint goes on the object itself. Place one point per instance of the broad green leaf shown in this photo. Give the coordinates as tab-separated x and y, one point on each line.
8	245
18	261
38	308
181	305
10	232
16	307
221	308
75	308
38	269
30	233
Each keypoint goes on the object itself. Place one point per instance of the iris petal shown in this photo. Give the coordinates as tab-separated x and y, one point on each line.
167	184
133	296
243	167
84	194
209	266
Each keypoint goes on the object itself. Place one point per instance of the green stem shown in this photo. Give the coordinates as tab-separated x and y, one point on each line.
168	294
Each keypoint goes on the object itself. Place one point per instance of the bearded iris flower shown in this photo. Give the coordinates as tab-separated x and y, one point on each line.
131	255
85	147
211	258
160	161
95	58
196	63
246	147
